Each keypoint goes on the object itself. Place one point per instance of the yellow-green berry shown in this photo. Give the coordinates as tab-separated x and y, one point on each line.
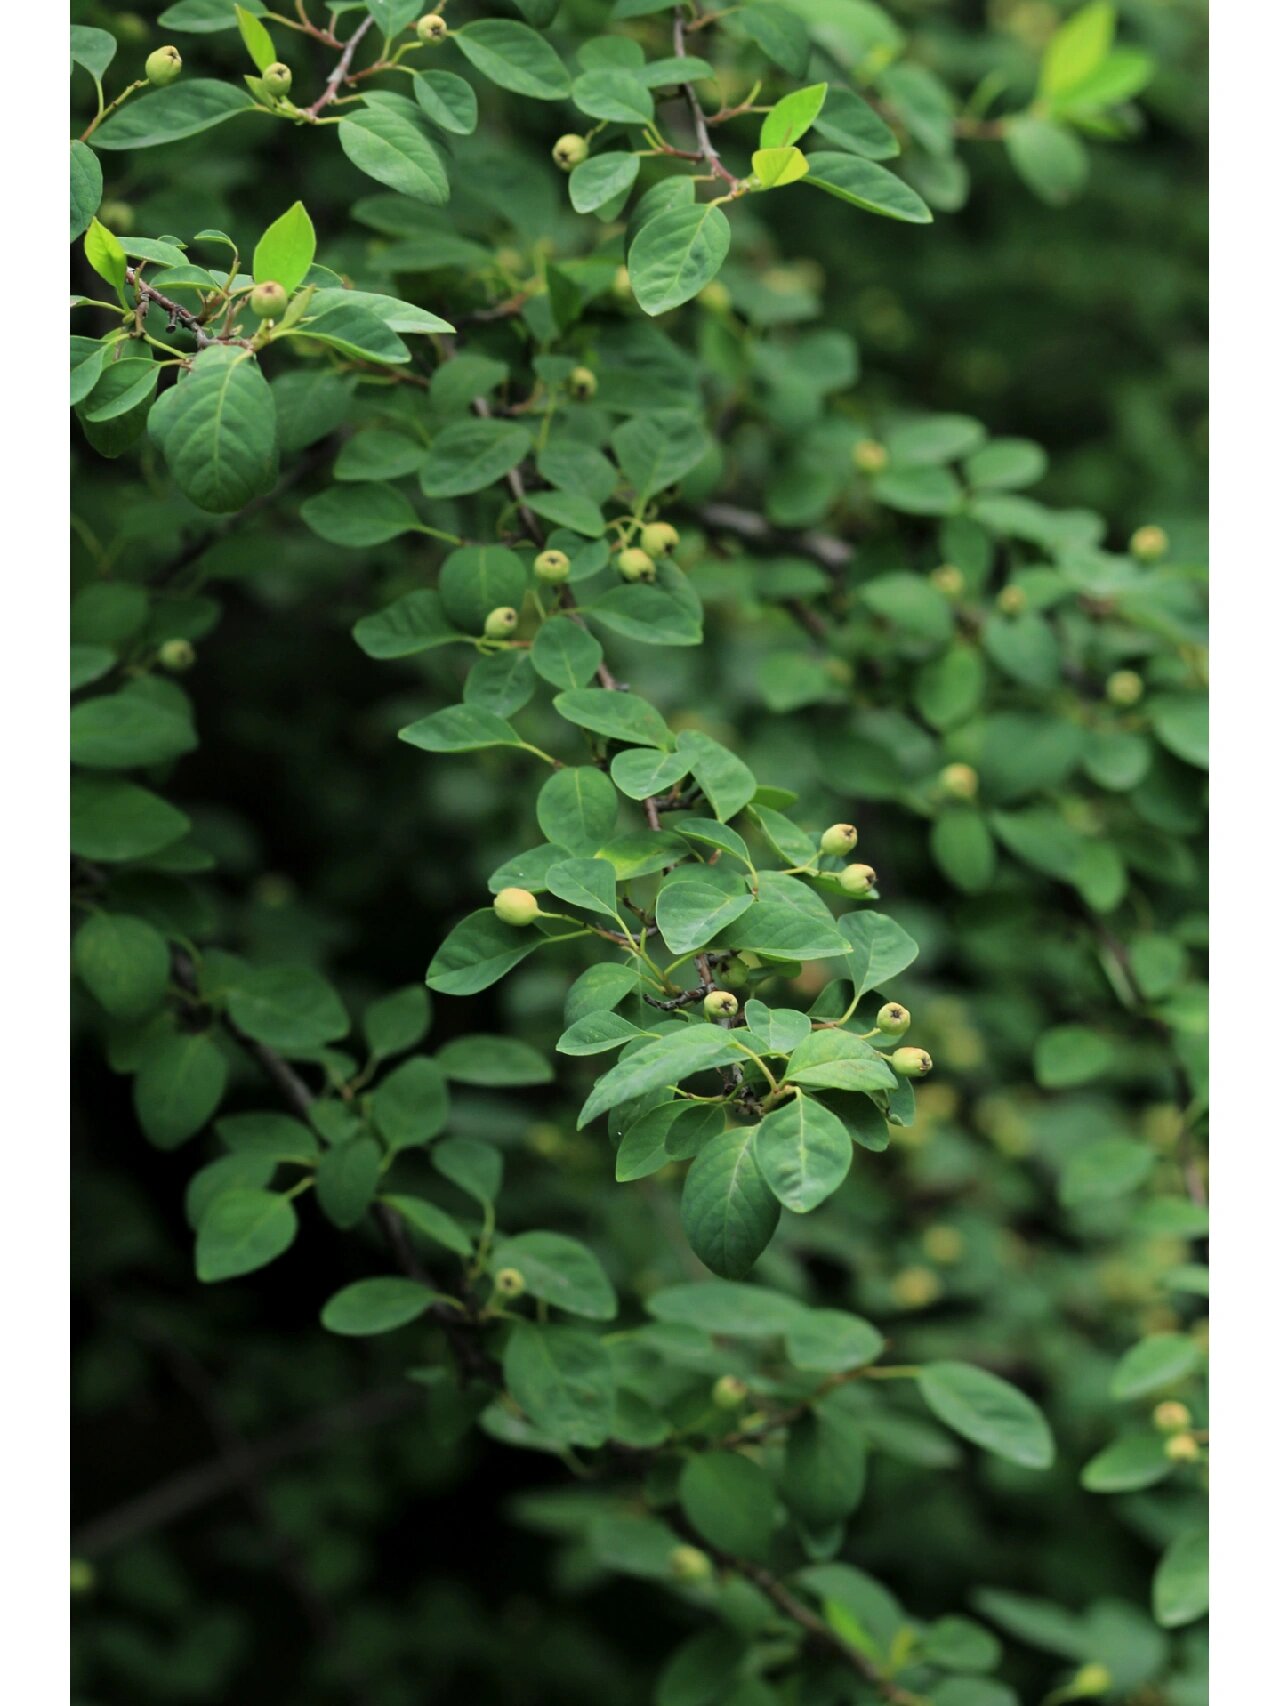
729	1392
551	566
910	1062
268	300
893	1019
177	656
508	1283
690	1564
960	781
857	880
659	538
948	580
715	296
622	282
582	384
1012	601
570	151
432	27
1125	688
163	67
83	1575
1171	1417
720	1004
839	839
1091	1679
515	906
501	623
943	1244
636	565
277	79
1182	1448
915	1288
869	456
1149	544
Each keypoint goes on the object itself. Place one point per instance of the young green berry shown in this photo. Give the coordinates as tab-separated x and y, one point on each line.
551	566
942	1244
720	1004
1149	544
432	27
163	67
729	1392
893	1019
636	565
1012	601
515	906
870	457
268	300
910	1062
1125	688
960	781
1182	1448
948	580
915	1288
857	880
689	1564
715	296
177	656
622	283
839	840
1091	1679
277	79
508	1283
570	151
83	1576
659	538
501	623
1171	1417
582	384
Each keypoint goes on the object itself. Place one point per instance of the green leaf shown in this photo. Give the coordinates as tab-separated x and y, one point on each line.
286	248
376	455
599	988
563	1380
1070	1054
94	49
123	962
432	1222
656	449
792	116
589	883
274	1137
851	178
347	1180
565	654
804	1152
837	1060
460	728
497	1062
242	1231
1180	1590
475	1168
411	1104
126	383
178	1086
376	1306
253	33
784	932
390	144
962	846
113	820
852	123
878	949
471	455
1128	1464
614	94
722	776
827	1341
478	579
774	168
601	179
730	1501
560	1271
414	623
726	1307
119	730
220	431
1076	49
1154	1364
690	912
448	101
618	714
728	1211
86	187
598	1033
103	252
289	1008
514	57
1050	159
640	771
983	1408
825	1466
478	952
577	809
353	322
659	1064
674	255
779	34
169	115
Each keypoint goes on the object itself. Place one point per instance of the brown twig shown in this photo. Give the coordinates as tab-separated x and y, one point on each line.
338	76
830	553
706	147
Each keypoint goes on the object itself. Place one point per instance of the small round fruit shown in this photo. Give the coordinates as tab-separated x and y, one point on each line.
943	1244
508	1283
715	296
893	1019
720	1004
690	1564
915	1288
501	623
582	384
515	906
551	566
83	1576
869	456
728	1392
277	79
636	565
1149	544
177	656
960	781
1125	688
570	151
432	27
1182	1448
1012	601
163	67
948	580
1091	1679
1171	1417
659	538
268	300
622	282
910	1062
839	839
857	880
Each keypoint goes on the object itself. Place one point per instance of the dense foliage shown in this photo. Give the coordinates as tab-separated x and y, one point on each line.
682	526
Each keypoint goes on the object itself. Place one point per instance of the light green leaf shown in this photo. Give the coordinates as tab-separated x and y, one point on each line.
804	1152
286	248
253	33
169	115
1154	1364
86	187
577	809
514	57
1180	1590
448	101
471	455
460	728
618	714
837	1060
677	253
792	116
390	144
868	186
602	178
774	168
690	912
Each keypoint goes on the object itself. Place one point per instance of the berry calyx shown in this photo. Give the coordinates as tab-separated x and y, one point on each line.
869	456
948	580
910	1062
659	538
857	880
570	151
689	1564
636	565
720	1004
728	1392
1182	1448
893	1019
277	79
515	906
432	27
839	839
163	67
1012	601
1171	1417
582	384
268	300
501	623
551	566
508	1283
960	781
1125	688
177	656
1149	544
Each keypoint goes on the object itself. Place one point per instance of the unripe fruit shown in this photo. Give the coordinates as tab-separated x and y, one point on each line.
715	296
840	838
659	538
163	67
893	1019
515	906
857	880
910	1062
177	655
1149	544
959	780
268	300
720	1004
582	384
869	457
1012	601
1091	1679
277	79
117	216
570	151
943	1244
1181	1448
915	1288
508	1282
728	1392
83	1575
432	27
1171	1417
636	565
501	623
1125	688
551	566
622	282
948	580
689	1564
